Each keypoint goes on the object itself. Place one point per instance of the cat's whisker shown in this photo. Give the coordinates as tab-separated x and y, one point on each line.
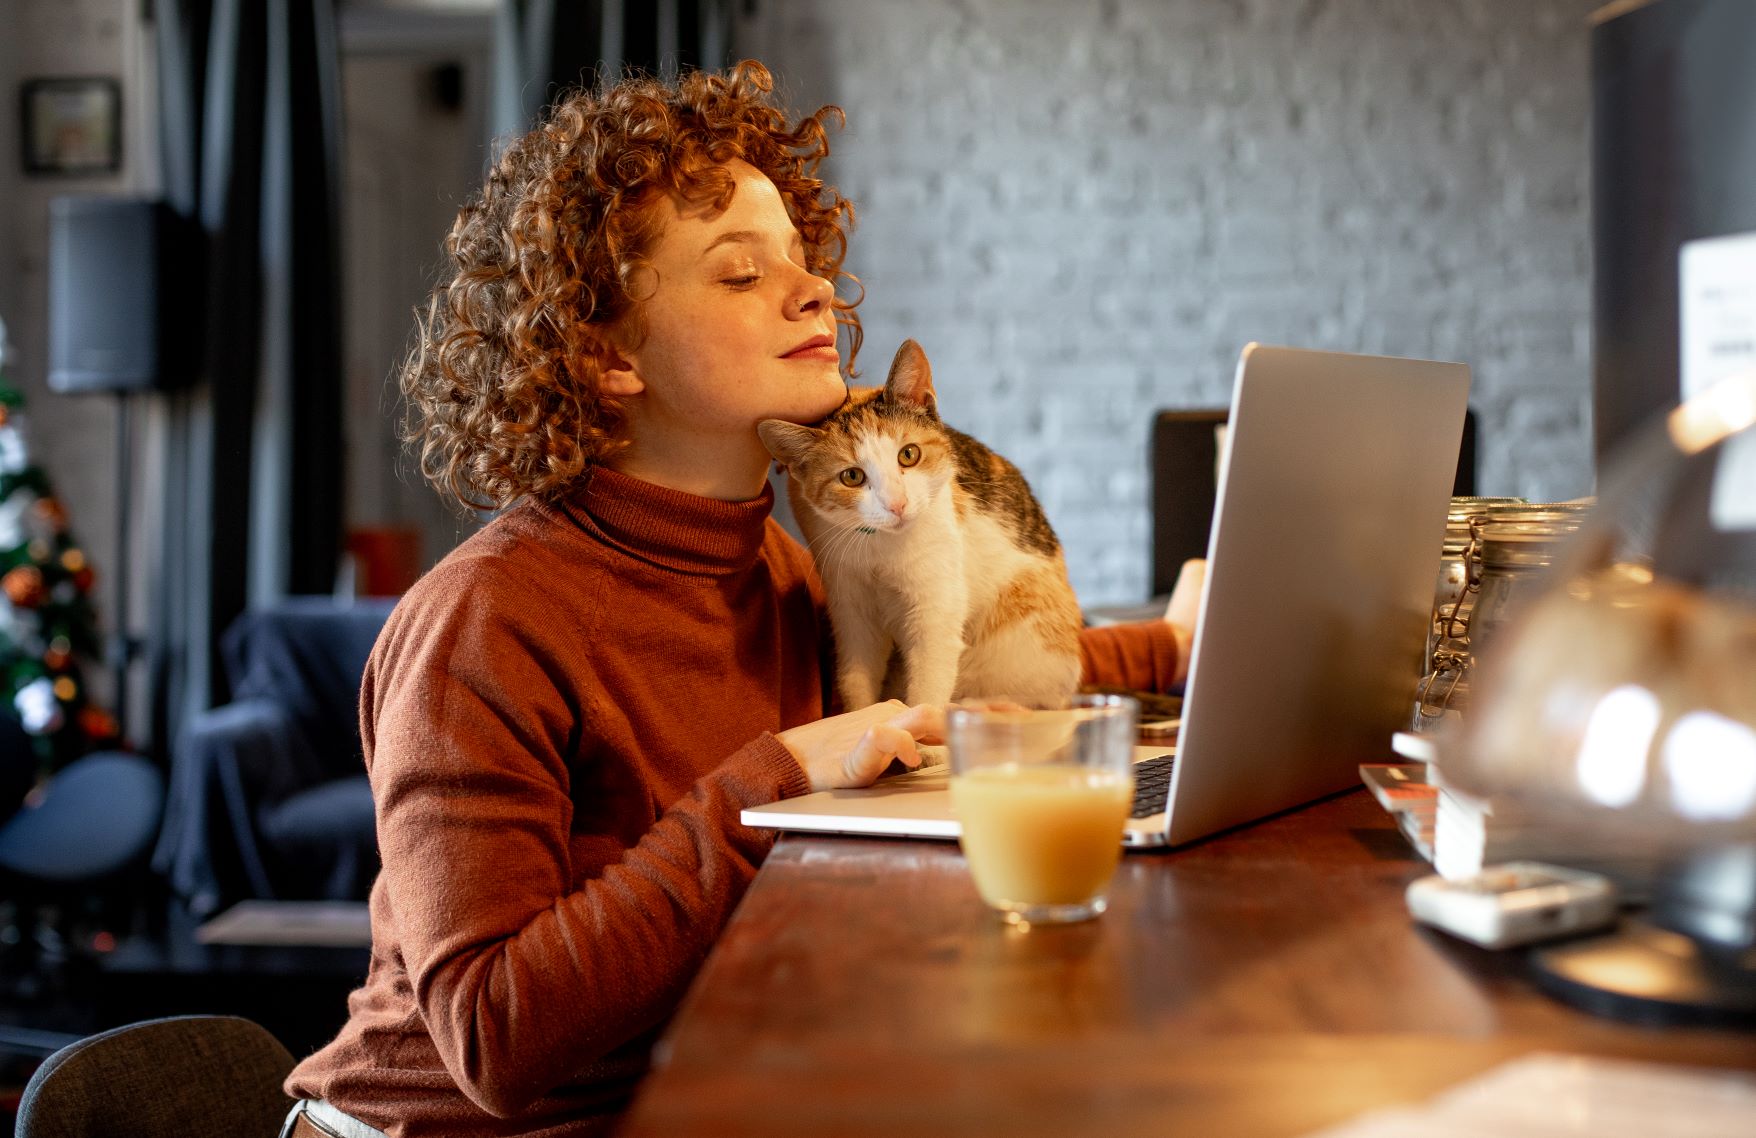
850	538
829	548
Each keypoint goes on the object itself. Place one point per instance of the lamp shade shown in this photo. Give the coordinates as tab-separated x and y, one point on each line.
1626	694
1621	707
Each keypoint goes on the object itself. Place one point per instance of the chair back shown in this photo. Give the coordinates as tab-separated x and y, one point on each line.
308	654
1185	480
1185	457
163	1077
95	817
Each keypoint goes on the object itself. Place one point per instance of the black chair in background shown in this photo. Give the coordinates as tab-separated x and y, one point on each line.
72	858
269	797
164	1077
1185	485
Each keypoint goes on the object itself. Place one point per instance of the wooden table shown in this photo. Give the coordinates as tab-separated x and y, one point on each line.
1264	982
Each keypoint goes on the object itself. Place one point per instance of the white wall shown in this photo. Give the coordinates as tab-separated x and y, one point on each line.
9	175
71	438
409	166
1084	210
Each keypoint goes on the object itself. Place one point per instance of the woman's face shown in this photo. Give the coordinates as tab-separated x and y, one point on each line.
736	329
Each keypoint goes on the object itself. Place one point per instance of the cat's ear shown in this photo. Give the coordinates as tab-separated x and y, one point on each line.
786	441
911	379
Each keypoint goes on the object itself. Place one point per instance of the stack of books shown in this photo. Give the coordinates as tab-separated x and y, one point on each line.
1470	833
1460	834
1405	791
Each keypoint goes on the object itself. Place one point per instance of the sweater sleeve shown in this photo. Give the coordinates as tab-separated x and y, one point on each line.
1142	655
522	979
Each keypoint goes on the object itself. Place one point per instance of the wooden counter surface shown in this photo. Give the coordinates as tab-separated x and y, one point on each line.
1263	982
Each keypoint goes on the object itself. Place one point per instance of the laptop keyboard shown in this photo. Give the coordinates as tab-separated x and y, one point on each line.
1152	782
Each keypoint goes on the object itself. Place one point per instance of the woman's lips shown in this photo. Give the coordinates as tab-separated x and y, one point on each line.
816	348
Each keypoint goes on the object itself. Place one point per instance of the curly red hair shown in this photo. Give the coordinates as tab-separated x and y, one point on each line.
503	384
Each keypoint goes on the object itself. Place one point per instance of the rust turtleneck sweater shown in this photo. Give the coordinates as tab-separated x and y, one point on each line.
561	723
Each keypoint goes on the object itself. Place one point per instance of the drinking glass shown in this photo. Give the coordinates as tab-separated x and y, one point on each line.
1041	797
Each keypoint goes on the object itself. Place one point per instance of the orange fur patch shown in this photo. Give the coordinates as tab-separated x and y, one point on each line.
1041	597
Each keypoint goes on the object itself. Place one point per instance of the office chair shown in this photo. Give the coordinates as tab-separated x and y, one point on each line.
162	1077
76	849
268	793
1185	484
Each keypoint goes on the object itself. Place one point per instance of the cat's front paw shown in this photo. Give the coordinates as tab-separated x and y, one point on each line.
938	694
857	692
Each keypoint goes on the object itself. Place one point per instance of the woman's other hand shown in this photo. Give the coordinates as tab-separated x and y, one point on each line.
1183	609
852	749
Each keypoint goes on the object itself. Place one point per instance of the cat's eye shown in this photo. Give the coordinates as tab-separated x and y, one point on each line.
908	455
853	476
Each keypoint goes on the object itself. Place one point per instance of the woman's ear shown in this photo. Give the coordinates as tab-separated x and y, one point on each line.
617	374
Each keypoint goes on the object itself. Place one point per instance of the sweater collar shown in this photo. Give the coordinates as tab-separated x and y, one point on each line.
669	528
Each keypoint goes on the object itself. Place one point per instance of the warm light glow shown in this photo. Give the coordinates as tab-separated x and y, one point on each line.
1726	408
1612	755
1711	760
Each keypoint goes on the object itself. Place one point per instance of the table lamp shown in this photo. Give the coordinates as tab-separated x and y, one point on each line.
1623	703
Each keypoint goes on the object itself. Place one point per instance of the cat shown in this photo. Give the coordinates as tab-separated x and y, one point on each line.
933	552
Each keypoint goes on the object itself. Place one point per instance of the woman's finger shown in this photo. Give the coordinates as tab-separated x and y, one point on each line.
921	721
878	745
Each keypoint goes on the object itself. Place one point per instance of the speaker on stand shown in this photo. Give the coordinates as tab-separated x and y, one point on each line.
123	281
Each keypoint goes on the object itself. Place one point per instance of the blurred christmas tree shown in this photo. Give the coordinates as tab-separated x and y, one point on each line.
46	620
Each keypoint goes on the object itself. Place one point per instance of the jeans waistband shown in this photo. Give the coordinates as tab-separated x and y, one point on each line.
330	1120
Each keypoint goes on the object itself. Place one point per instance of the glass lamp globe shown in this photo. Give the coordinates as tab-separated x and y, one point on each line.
1621	707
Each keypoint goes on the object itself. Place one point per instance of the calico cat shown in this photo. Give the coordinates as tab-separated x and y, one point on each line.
931	545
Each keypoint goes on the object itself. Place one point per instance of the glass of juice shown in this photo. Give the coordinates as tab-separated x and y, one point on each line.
1041	797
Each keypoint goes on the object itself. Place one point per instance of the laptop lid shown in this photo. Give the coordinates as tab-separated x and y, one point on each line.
1320	576
1325	546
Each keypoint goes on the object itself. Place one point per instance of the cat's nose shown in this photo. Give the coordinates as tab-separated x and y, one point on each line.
896	505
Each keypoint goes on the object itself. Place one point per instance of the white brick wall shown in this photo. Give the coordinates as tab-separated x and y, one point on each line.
1084	210
72	437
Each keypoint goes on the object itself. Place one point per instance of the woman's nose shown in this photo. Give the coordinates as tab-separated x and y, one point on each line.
814	294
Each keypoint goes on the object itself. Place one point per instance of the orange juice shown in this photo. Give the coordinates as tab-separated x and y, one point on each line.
1047	834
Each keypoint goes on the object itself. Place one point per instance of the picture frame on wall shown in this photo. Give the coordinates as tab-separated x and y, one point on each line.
71	126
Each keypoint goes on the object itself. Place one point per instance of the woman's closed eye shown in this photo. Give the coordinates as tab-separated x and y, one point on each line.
738	271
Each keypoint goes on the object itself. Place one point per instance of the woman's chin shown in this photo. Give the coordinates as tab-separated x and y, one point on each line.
820	402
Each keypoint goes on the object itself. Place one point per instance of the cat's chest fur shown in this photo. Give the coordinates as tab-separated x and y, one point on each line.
934	554
954	542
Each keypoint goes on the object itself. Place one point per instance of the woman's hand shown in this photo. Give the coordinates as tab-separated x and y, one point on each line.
1183	609
852	749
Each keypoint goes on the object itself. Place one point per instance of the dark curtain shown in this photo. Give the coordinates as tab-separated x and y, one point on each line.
252	506
543	47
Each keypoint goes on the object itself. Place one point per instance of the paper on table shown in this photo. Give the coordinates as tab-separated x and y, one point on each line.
1546	1095
325	924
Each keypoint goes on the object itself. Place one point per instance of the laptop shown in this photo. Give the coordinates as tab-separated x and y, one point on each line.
1332	496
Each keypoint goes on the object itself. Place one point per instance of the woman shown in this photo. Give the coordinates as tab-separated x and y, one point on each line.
564	718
